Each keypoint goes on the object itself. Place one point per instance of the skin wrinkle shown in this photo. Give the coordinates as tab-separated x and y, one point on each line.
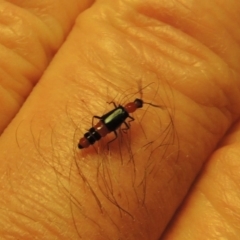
232	17
211	128
8	92
161	46
43	225
186	19
216	178
15	84
5	111
230	24
223	88
224	175
220	212
173	37
50	22
124	30
19	29
137	33
34	36
22	68
50	232
221	49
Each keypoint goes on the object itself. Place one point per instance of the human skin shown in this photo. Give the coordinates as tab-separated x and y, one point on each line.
182	181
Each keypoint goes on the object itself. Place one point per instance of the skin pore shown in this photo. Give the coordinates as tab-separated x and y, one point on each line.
176	172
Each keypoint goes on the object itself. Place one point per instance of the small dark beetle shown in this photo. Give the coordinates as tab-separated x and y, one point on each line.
110	122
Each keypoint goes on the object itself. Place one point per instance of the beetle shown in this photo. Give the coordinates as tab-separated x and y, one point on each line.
110	122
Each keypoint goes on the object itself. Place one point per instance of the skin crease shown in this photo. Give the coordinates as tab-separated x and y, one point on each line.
188	187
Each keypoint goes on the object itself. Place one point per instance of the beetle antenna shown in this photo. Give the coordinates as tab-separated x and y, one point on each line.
154	105
140	88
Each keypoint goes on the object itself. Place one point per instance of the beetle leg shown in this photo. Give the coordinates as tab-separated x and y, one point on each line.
116	135
128	125
126	128
113	104
95	117
132	119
